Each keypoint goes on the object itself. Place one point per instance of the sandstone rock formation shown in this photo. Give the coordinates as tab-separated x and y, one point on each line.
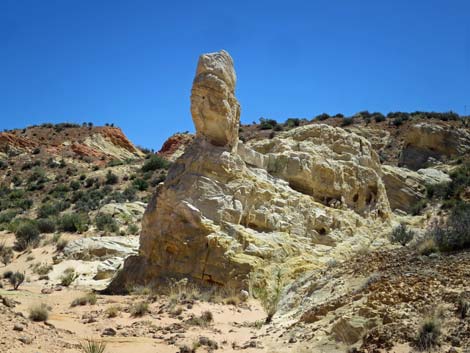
215	110
430	141
335	167
406	187
226	212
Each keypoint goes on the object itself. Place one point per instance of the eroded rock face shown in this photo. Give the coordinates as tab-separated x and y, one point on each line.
224	213
337	168
426	142
406	187
214	108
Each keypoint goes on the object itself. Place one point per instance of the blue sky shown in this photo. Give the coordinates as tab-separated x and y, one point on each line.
132	62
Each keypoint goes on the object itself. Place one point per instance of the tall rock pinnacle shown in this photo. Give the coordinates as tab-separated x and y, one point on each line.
214	108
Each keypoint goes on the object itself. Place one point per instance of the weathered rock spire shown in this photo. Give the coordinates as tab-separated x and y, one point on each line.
214	108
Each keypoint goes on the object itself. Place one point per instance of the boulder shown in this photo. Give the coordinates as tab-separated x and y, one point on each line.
125	213
101	247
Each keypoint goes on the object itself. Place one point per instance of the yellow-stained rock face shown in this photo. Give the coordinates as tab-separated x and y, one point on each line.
291	204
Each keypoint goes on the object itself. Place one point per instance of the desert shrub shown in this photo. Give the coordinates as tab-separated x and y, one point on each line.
347	122
139	309
140	184
8	215
27	234
112	311
111	178
16	279
61	244
60	190
42	269
24	204
455	234
106	222
463	307
39	312
90	298
429	333
402	235
91	346
267	124
52	208
292	122
46	225
418	207
439	191
73	222
129	193
269	298
132	229
68	277
379	118
427	246
155	162
322	117
89	200
203	320
6	254
89	182
75	185
7	274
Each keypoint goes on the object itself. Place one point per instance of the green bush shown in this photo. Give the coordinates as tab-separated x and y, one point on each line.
106	222
16	280
52	208
155	162
27	234
267	124
92	346
6	254
132	229
46	225
8	215
73	222
418	207
75	185
140	184
455	234
429	333
379	118
402	235
68	277
111	178
323	116
292	122
89	200
347	121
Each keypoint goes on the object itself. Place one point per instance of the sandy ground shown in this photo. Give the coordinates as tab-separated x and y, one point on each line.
164	329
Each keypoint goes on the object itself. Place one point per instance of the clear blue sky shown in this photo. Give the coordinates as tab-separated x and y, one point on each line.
132	62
